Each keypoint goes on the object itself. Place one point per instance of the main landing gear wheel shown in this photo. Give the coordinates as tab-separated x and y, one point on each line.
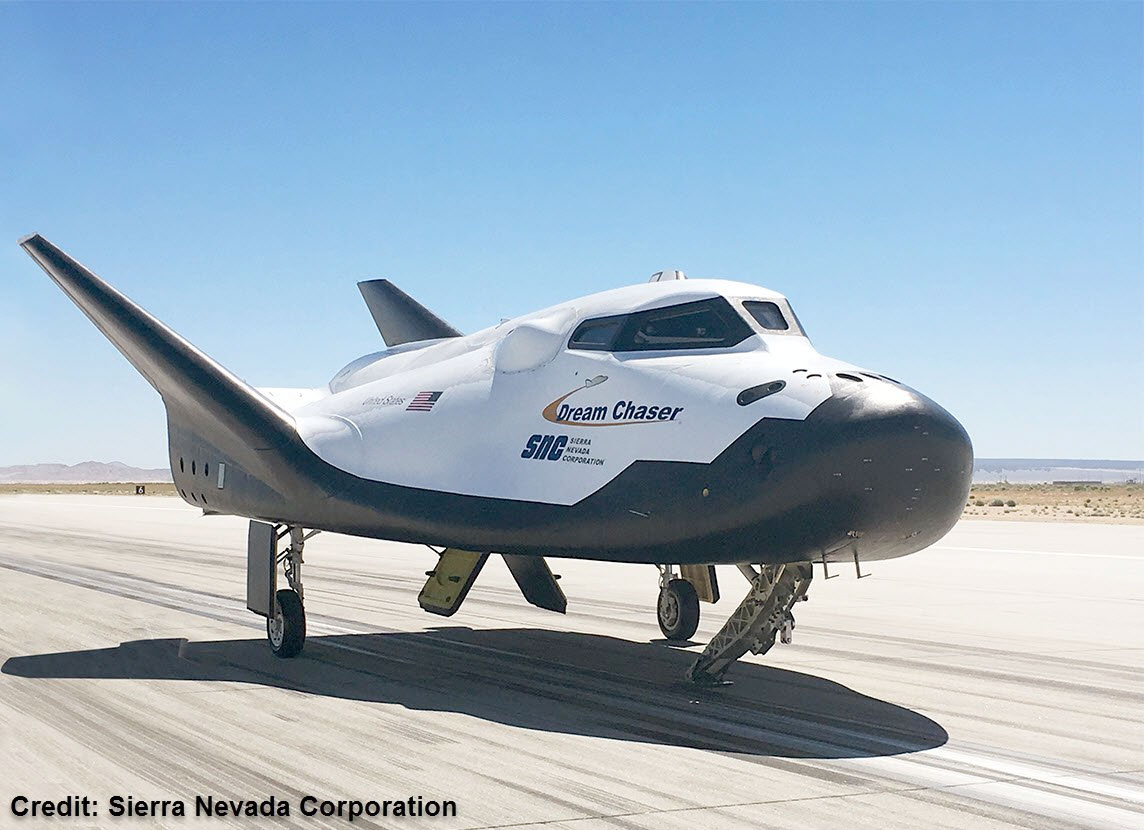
286	630
678	610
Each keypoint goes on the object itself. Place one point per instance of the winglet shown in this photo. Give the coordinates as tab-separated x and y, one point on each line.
399	317
183	375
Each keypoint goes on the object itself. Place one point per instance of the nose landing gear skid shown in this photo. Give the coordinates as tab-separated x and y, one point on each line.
762	615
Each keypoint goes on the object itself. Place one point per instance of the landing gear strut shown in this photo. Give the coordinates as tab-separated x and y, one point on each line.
762	615
284	612
678	607
286	627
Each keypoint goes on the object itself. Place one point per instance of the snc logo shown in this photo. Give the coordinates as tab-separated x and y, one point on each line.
545	447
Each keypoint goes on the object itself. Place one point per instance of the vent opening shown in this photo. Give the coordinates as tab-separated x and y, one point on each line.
754	393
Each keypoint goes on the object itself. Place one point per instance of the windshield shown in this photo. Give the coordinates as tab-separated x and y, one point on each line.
706	324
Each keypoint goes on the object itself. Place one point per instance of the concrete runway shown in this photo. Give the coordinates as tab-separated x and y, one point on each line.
994	680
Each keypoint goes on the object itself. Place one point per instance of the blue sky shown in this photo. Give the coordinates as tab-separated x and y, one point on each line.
949	194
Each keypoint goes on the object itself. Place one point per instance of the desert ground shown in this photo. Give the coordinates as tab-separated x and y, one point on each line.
1101	503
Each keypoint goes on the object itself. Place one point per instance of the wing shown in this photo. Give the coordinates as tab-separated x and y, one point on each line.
201	393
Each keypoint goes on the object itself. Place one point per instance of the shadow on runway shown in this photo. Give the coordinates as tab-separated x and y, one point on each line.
537	679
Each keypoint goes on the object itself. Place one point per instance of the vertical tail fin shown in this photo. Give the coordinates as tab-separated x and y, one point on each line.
399	317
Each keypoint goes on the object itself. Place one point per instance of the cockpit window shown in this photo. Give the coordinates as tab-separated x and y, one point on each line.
766	314
706	324
597	335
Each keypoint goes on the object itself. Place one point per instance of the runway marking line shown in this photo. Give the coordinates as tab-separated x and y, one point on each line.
84	504
1038	552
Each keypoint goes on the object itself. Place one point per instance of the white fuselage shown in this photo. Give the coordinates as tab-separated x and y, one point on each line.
521	416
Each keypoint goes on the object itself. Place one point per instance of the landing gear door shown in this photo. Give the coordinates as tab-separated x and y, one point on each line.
703	578
537	582
449	583
261	567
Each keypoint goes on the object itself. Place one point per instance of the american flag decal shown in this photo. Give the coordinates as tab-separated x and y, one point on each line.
423	401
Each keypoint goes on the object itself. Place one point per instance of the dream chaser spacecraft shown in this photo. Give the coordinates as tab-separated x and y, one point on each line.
679	423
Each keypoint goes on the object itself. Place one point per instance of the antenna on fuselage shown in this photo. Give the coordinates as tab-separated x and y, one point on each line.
664	276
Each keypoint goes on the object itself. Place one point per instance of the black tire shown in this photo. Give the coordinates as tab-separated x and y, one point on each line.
678	610
286	630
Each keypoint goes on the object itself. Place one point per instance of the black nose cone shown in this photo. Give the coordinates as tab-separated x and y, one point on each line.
877	468
899	465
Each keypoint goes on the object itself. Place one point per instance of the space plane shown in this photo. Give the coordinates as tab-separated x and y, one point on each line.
681	423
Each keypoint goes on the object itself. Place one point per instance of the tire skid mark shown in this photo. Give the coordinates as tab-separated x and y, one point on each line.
491	669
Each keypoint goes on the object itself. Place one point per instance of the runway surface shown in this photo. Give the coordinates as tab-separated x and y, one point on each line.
995	680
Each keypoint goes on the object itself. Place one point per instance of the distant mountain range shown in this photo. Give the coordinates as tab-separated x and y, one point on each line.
1042	470
87	472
